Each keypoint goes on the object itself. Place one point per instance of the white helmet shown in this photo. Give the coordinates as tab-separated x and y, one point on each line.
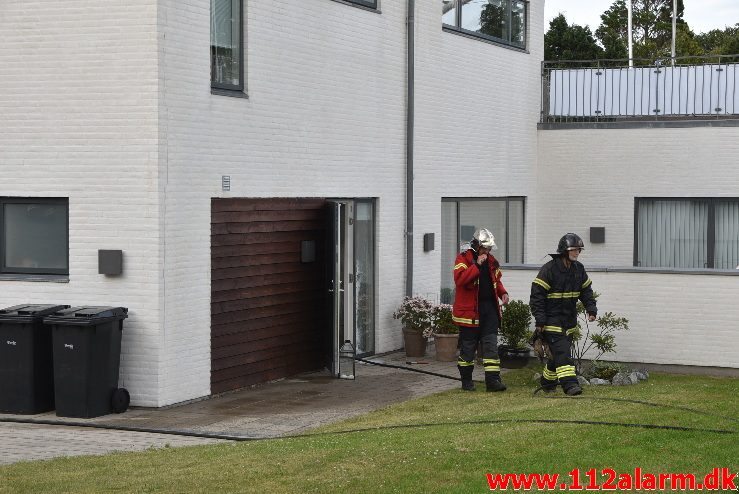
483	238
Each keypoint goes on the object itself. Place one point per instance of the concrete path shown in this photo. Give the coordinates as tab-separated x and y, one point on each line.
286	407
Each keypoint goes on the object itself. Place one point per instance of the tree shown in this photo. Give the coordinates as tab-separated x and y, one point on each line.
652	28
569	42
720	42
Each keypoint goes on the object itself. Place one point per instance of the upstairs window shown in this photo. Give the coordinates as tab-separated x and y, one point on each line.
502	21
687	233
227	44
34	236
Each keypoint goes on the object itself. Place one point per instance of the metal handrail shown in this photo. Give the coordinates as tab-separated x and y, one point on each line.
681	88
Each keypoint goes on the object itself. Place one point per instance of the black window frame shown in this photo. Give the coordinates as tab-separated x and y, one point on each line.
220	88
457	28
370	4
710	227
507	200
4	270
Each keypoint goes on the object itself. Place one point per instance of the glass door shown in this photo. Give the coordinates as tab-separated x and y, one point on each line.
351	277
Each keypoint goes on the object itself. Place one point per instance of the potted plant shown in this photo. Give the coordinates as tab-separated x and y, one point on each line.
416	315
446	333
515	334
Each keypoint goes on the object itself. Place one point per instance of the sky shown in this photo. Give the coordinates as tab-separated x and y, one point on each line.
701	15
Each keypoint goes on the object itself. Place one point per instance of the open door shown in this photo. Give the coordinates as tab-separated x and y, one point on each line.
350	278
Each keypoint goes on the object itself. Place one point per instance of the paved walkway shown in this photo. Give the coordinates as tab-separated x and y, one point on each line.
285	407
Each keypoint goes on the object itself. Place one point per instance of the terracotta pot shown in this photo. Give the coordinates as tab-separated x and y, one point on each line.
446	347
415	343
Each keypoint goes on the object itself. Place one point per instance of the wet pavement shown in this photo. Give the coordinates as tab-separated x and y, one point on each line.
286	407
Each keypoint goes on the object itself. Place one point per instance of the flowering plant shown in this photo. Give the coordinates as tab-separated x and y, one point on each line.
416	313
443	322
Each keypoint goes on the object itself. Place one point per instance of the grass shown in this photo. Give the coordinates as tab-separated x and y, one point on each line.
452	457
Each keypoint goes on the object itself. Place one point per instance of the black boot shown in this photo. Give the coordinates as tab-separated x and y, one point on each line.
466	374
573	390
493	382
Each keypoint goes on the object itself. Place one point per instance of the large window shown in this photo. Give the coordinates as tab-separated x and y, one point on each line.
461	217
687	233
226	45
34	236
503	21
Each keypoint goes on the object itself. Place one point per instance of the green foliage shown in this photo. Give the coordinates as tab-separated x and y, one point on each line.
604	370
452	456
720	42
420	314
442	320
570	42
598	335
515	328
416	313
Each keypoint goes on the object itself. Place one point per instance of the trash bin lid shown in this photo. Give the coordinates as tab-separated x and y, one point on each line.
86	315
29	312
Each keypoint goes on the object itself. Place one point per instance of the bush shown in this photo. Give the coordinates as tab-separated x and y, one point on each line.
604	370
585	337
515	327
442	320
416	313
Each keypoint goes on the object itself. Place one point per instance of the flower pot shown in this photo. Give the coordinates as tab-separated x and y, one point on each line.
415	343
446	347
513	358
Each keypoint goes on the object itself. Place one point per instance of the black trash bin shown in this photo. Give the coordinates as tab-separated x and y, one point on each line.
87	356
26	369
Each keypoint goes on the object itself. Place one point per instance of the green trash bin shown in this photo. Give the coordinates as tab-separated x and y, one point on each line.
26	368
87	352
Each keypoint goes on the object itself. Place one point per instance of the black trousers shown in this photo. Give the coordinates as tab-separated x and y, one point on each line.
487	334
559	369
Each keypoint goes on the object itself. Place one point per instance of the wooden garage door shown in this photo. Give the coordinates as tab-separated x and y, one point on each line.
268	317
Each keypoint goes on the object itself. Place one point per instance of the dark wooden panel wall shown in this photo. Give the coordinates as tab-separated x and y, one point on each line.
268	316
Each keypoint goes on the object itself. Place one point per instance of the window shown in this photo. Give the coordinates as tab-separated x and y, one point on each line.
364	3
34	236
503	21
687	233
461	217
226	45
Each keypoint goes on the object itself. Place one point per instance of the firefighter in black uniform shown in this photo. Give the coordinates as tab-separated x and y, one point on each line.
554	294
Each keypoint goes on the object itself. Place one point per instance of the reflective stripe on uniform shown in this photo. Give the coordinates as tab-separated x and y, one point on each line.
462	320
549	375
464	363
542	284
491	364
460	265
587	283
563	295
553	329
566	371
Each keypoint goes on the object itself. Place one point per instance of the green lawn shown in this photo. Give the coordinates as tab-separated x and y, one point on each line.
451	456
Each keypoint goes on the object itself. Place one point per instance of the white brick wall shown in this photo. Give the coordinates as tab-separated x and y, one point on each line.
591	177
325	118
78	101
110	105
477	105
673	318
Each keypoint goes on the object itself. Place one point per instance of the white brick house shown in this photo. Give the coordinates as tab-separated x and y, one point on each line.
110	109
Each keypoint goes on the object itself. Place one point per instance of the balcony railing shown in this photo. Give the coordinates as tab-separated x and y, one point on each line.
609	90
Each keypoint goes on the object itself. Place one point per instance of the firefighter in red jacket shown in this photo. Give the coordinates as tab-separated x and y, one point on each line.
477	309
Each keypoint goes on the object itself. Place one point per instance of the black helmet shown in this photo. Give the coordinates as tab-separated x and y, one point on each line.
569	241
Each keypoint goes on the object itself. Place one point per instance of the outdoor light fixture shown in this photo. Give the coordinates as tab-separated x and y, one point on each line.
346	360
